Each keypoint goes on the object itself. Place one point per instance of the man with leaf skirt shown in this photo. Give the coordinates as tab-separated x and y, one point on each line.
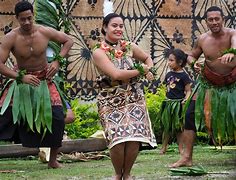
215	97
30	101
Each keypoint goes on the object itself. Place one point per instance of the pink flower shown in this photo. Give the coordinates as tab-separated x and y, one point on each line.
105	47
123	43
118	53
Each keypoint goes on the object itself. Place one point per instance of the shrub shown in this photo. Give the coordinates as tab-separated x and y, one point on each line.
86	120
154	101
202	138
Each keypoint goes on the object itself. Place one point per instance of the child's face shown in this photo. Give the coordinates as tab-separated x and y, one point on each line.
172	63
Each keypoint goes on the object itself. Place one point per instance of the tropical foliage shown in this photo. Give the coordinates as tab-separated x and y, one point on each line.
86	120
154	101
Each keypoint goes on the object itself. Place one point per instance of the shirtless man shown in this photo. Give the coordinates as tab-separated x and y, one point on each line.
28	43
219	71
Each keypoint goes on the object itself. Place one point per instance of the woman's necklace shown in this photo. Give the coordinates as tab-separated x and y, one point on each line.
110	43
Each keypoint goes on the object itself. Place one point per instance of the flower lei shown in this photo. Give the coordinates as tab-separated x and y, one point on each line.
114	53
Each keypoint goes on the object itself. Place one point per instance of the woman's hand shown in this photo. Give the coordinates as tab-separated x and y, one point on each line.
145	68
149	76
147	73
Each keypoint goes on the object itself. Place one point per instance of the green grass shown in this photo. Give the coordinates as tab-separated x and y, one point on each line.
148	166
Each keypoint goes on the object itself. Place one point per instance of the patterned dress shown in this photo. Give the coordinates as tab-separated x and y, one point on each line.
121	105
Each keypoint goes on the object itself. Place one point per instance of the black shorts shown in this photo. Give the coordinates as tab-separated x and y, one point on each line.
190	117
8	130
34	139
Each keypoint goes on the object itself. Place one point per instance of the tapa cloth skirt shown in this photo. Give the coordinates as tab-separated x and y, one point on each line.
124	116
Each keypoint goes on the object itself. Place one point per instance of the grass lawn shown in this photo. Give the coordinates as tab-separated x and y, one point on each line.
148	166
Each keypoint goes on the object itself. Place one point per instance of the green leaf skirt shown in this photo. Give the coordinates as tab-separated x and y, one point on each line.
170	116
216	106
30	104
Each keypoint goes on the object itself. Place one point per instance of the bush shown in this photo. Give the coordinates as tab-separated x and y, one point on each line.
202	138
86	120
154	101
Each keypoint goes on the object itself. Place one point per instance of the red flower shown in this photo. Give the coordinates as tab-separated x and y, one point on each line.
105	47
123	44
118	53
114	53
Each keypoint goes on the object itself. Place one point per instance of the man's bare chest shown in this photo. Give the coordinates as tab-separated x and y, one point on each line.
25	48
213	49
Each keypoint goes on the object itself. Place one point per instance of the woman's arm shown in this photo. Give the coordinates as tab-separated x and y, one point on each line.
143	57
107	67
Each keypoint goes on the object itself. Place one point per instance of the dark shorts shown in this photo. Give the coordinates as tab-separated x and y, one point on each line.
11	132
190	117
8	130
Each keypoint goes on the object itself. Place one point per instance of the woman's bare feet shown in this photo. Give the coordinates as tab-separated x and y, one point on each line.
54	165
128	177
182	162
117	177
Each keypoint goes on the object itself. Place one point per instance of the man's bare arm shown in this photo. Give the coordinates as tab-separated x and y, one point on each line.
228	56
5	48
61	38
195	53
66	42
233	39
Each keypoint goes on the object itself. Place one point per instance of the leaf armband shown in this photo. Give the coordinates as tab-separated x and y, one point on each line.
153	70
230	50
140	68
20	76
60	59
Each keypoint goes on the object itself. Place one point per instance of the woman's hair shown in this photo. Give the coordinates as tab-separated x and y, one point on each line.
180	56
107	19
23	6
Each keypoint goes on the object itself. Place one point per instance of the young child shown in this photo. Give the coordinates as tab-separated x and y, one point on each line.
178	85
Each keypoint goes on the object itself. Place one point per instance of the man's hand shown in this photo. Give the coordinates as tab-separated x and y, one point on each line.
226	58
197	67
31	79
52	69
